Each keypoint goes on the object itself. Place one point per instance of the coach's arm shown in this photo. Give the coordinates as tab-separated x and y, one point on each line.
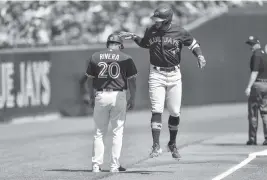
132	90
87	90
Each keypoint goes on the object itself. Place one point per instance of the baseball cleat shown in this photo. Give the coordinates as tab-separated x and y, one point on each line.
174	151
119	169
265	143
251	142
156	151
96	168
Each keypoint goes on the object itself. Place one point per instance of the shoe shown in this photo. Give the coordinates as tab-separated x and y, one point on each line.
265	143
251	142
96	168
156	151
174	151
120	169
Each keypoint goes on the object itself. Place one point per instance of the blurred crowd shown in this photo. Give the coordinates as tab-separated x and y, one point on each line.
51	23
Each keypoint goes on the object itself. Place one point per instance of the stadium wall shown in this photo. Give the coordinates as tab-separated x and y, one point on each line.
39	81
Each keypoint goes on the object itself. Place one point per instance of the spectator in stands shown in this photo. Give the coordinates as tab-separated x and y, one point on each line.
35	23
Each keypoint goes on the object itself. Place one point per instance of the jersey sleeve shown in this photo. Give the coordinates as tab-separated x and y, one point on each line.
131	70
188	39
90	71
143	42
255	64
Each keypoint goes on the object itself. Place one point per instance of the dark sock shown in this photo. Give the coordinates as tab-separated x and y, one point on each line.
155	136
173	128
173	135
156	118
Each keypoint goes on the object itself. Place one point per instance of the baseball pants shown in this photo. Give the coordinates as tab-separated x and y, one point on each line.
165	86
257	102
109	107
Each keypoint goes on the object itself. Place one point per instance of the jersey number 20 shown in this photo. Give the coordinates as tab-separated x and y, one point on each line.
112	69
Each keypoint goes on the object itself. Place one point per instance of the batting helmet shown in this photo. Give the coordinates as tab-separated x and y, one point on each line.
163	13
115	38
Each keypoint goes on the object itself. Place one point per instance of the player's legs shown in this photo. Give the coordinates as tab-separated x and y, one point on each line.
252	117
117	118
262	101
101	121
157	90
173	98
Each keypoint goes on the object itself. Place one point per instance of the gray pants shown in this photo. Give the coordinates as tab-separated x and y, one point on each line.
257	102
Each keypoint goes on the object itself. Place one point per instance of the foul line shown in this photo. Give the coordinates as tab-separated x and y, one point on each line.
240	165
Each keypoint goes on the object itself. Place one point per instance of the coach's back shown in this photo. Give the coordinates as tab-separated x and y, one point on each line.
111	69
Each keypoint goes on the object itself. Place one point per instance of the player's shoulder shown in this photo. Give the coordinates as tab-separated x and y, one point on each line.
96	55
179	28
124	56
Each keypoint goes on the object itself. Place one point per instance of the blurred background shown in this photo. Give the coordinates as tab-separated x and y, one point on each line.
45	46
55	23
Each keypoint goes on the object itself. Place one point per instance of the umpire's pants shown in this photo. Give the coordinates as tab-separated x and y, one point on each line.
257	102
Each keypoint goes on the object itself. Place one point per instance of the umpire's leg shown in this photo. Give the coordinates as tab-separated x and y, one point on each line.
262	101
252	117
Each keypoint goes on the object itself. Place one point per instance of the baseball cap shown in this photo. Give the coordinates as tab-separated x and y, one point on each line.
252	40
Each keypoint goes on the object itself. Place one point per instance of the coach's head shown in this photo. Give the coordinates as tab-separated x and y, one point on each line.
114	41
253	42
162	16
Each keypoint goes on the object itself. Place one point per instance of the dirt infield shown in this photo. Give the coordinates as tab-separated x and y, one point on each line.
211	140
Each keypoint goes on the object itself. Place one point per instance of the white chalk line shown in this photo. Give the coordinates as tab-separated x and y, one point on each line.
240	165
36	119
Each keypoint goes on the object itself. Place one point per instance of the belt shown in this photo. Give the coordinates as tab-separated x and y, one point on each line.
167	69
261	80
109	90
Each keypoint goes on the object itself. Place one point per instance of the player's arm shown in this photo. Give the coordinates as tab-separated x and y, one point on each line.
254	72
86	82
252	79
140	41
194	46
131	77
132	87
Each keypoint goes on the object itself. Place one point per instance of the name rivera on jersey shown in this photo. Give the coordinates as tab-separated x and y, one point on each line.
109	56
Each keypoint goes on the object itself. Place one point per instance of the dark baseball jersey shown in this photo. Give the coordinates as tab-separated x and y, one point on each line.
165	45
258	63
111	69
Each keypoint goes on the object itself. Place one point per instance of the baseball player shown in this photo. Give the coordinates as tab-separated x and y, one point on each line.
111	72
165	41
257	90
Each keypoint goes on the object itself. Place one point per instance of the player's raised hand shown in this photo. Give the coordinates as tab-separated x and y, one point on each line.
201	62
126	35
